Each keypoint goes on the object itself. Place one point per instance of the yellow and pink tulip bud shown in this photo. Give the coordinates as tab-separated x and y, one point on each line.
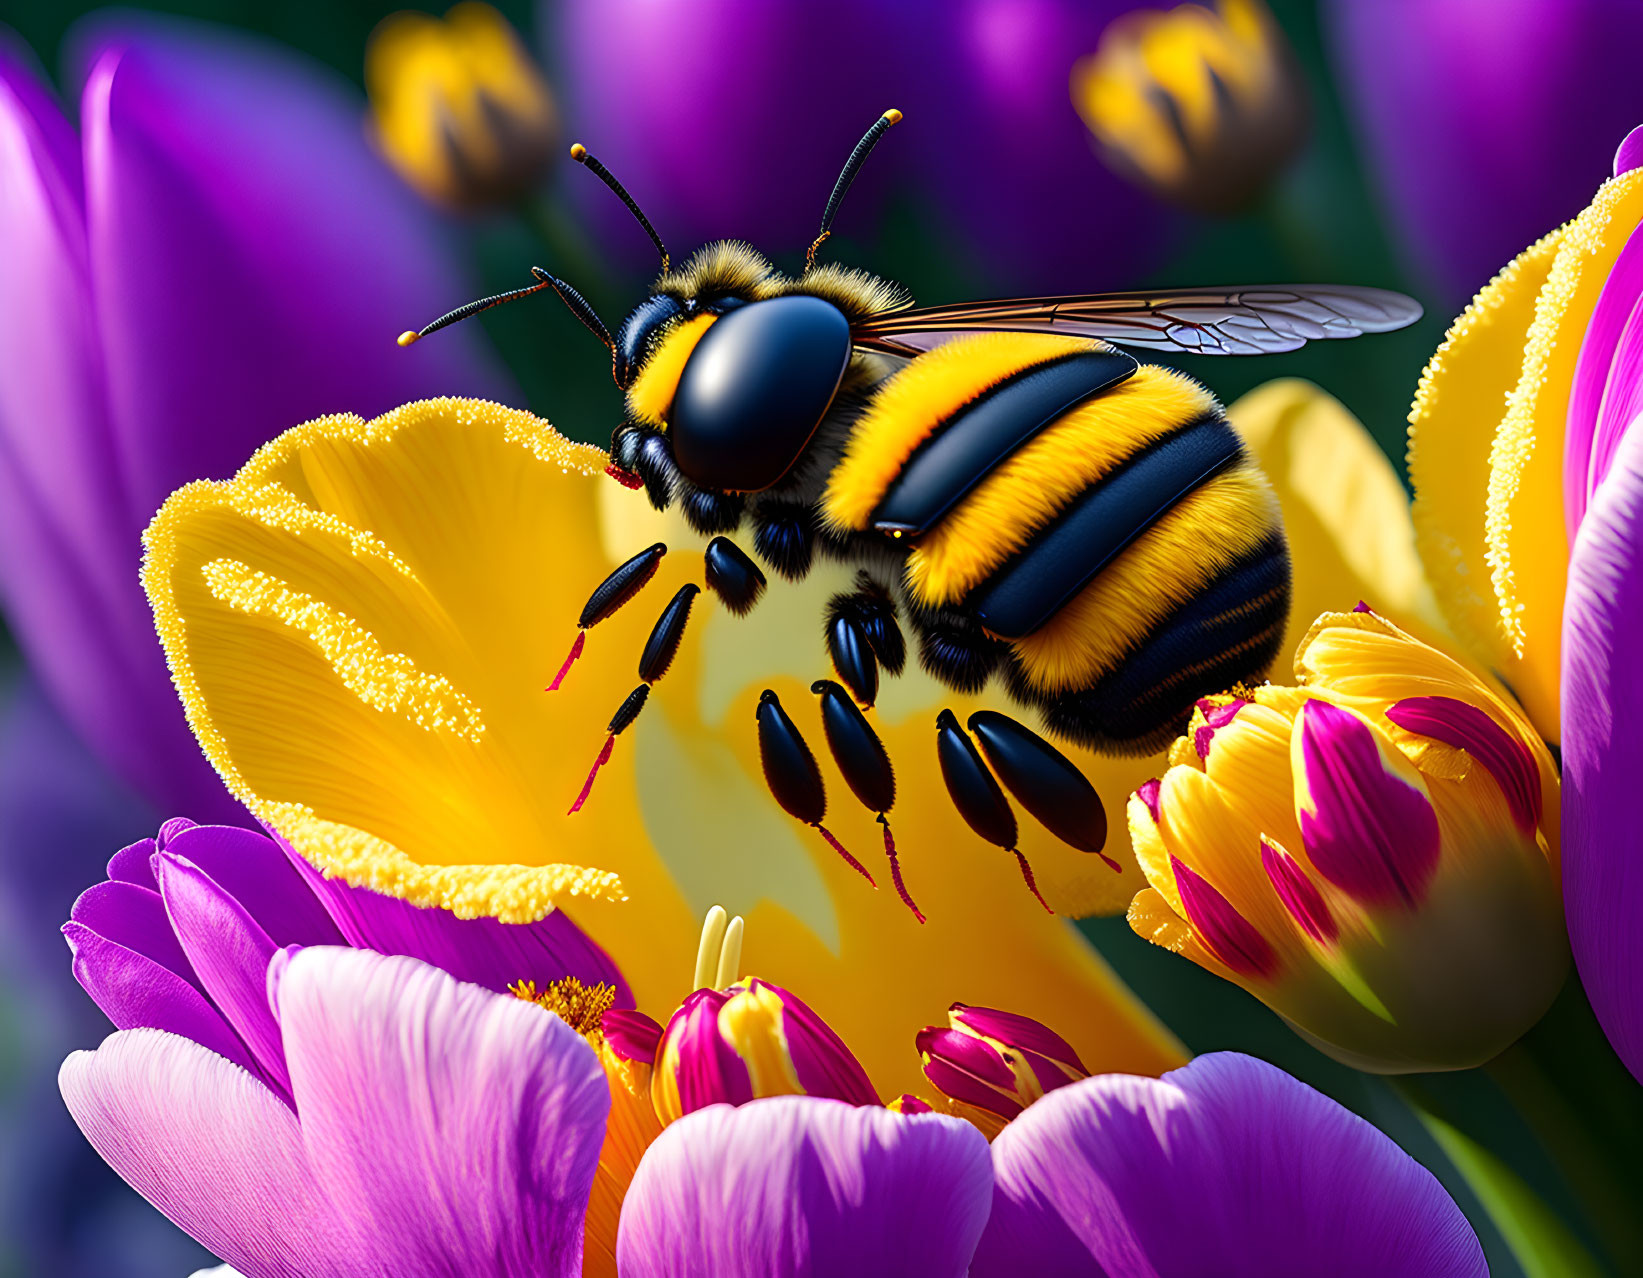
459	107
991	1065
1201	106
1372	853
752	1040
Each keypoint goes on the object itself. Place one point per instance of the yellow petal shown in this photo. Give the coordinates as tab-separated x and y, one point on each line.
379	696
1345	510
1528	547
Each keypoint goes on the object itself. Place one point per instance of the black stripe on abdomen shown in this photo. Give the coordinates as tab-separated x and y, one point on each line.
1226	634
968	446
1062	558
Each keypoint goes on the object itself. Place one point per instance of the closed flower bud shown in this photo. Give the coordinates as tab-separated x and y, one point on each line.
749	1041
1203	107
991	1065
1372	853
460	108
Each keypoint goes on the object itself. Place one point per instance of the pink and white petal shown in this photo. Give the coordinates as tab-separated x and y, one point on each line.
801	1185
213	1149
463	1127
1603	751
1227	1166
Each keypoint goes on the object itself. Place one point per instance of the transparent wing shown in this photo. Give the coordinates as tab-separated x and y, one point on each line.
1204	321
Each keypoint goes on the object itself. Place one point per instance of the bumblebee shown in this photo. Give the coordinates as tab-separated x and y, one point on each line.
1036	503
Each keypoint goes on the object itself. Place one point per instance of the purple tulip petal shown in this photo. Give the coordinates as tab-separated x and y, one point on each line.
1629	154
462	1126
1603	754
1368	831
797	1185
134	918
255	871
1455	106
135	992
230	953
1469	728
130	864
1229	935
480	951
1228	1167
214	1150
1605	383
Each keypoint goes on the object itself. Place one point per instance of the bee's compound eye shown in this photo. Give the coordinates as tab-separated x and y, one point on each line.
754	390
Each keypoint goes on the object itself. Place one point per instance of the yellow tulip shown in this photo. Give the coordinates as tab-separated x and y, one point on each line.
1201	106
1372	853
1486	448
460	108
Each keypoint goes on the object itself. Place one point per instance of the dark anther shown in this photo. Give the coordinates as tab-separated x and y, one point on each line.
791	773
663	644
1044	781
976	794
656	467
609	595
853	658
871	607
711	512
732	576
785	538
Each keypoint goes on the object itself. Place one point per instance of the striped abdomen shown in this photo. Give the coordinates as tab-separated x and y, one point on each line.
1122	542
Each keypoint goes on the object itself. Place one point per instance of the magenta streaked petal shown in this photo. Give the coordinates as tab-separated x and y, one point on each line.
1214	717
462	1127
135	992
1370	833
907	1103
214	1150
231	954
707	1070
1602	701
1299	894
1605	382
1148	792
798	1186
1629	154
133	917
822	1062
1469	728
1228	934
1227	1167
959	1085
1017	1031
966	1052
130	864
632	1035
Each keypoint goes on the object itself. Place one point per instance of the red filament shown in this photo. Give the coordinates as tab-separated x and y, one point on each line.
575	652
601	761
895	868
1032	884
1111	864
849	860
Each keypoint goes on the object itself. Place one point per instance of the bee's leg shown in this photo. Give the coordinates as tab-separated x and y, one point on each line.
647	453
954	649
660	649
791	773
609	595
732	576
865	763
863	632
784	535
709	511
977	796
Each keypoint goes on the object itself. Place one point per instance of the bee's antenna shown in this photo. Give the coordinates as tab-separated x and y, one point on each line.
852	166
584	157
574	301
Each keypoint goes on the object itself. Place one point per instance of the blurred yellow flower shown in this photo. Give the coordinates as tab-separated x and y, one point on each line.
460	108
1486	447
1201	106
1372	853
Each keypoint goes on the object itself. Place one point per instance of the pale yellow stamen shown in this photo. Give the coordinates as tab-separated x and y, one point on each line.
719	953
730	955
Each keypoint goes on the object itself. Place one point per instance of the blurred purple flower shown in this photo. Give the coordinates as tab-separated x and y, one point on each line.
217	256
730	119
1486	129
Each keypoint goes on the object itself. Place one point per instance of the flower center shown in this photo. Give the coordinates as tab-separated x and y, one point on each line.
580	1006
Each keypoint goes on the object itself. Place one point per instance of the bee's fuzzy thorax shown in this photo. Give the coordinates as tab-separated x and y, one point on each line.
724	267
856	292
